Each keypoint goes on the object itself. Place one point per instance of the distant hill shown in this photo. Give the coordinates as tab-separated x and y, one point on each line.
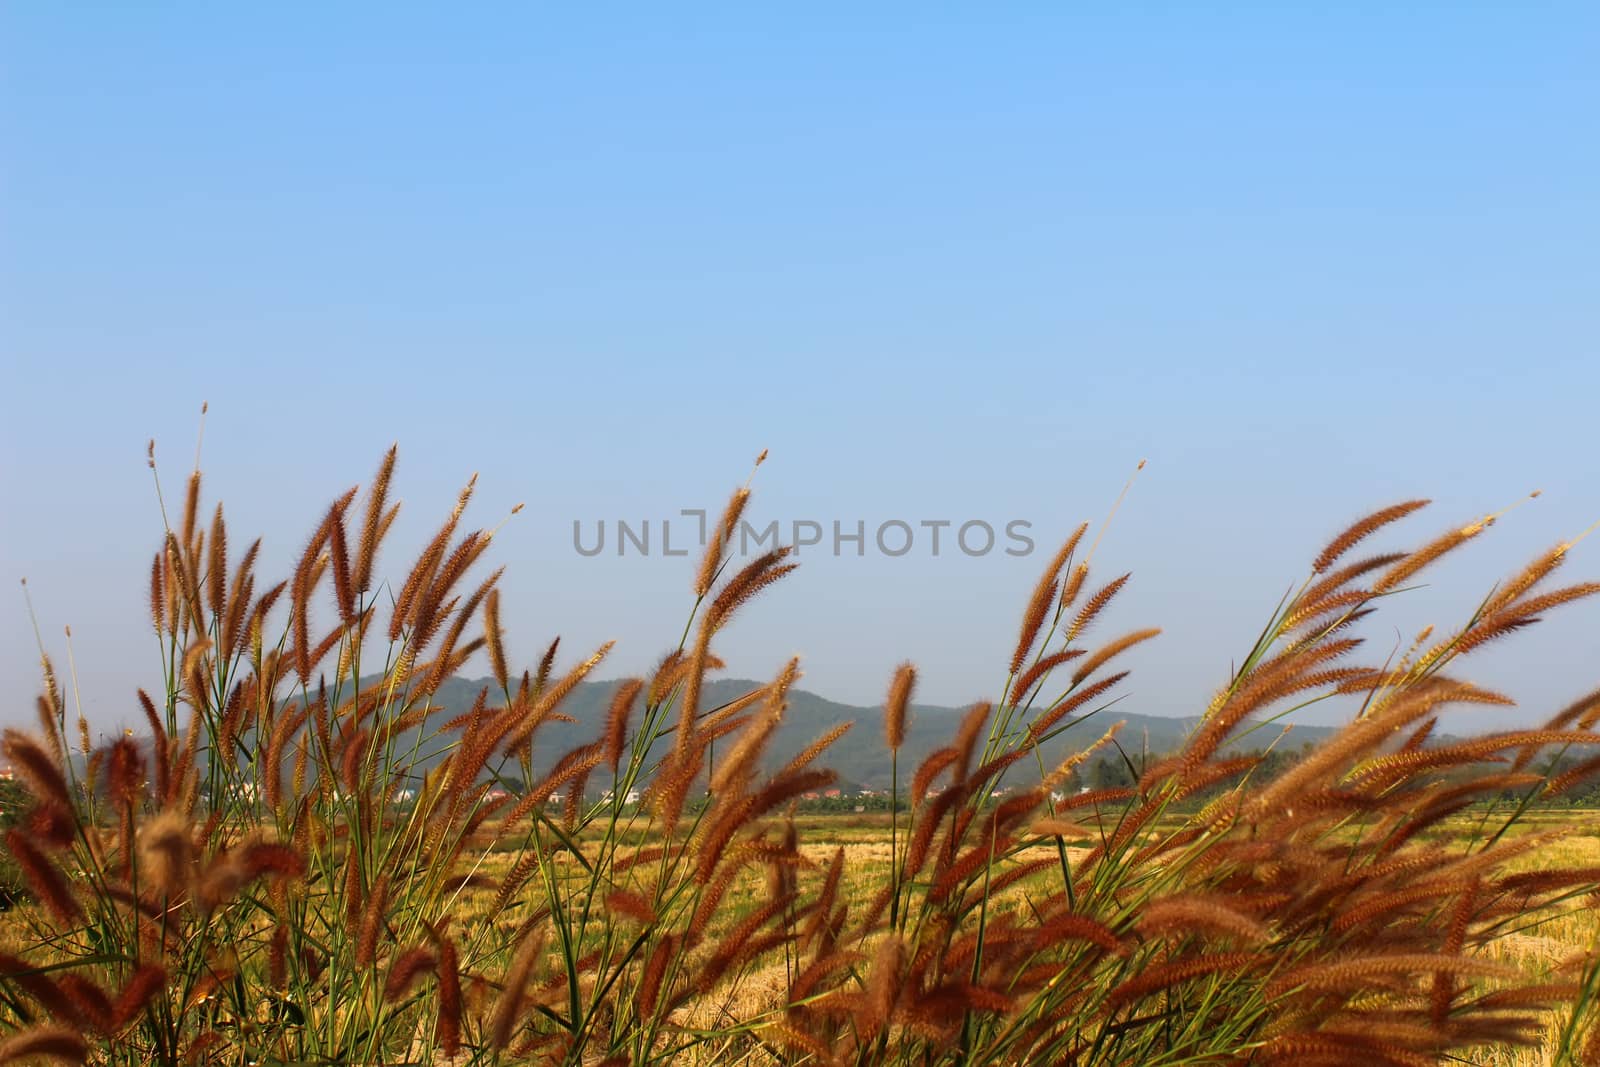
860	756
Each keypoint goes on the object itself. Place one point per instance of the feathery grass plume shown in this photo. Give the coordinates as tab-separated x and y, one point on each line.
217	564
1527	578
1163	976
684	744
647	998
1047	720
158	593
1067	925
1289	672
447	1025
44	878
617	717
1095	605
234	630
576	764
89	1001
40	772
52	713
635	907
1041	667
806	756
433	607
755	576
793	1038
1570	778
300	600
507	1009
1044	593
1109	651
140	988
160	752
1335	580
1195	913
172	610
933	765
1482	634
513	880
404	972
1445	988
778	791
125	778
668	673
494	636
1309	613
1361	530
375	523
1400	572
1322	1047
183	581
883	984
966	738
1217	772
826	897
1546	601
372	922
286	726
50	1041
344	593
1364	734
897	708
166	853
1337	973
552	698
420	576
52	825
191	508
733	772
1072	587
42	988
738	943
1033	616
444	663
258	858
720	538
546	665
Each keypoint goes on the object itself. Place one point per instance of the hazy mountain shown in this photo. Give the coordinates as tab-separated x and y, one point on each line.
860	756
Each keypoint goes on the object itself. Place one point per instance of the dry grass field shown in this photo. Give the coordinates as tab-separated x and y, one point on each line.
306	859
1539	945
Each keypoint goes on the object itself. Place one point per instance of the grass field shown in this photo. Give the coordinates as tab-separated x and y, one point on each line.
1541	945
1218	904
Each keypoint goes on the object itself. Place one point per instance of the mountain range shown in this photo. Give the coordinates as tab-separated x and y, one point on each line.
861	756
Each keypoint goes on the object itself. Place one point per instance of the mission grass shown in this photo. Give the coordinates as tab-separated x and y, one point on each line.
1379	899
867	844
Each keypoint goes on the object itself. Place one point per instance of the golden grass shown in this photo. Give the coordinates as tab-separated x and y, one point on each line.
260	895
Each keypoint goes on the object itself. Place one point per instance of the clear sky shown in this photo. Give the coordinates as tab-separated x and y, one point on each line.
963	264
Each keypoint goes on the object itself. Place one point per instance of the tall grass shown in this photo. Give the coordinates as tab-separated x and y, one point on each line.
300	863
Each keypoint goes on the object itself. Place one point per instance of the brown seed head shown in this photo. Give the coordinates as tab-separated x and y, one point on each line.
717	545
897	708
50	1042
1361	530
373	527
405	971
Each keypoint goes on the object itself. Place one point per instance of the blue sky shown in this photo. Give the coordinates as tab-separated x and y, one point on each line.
946	264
